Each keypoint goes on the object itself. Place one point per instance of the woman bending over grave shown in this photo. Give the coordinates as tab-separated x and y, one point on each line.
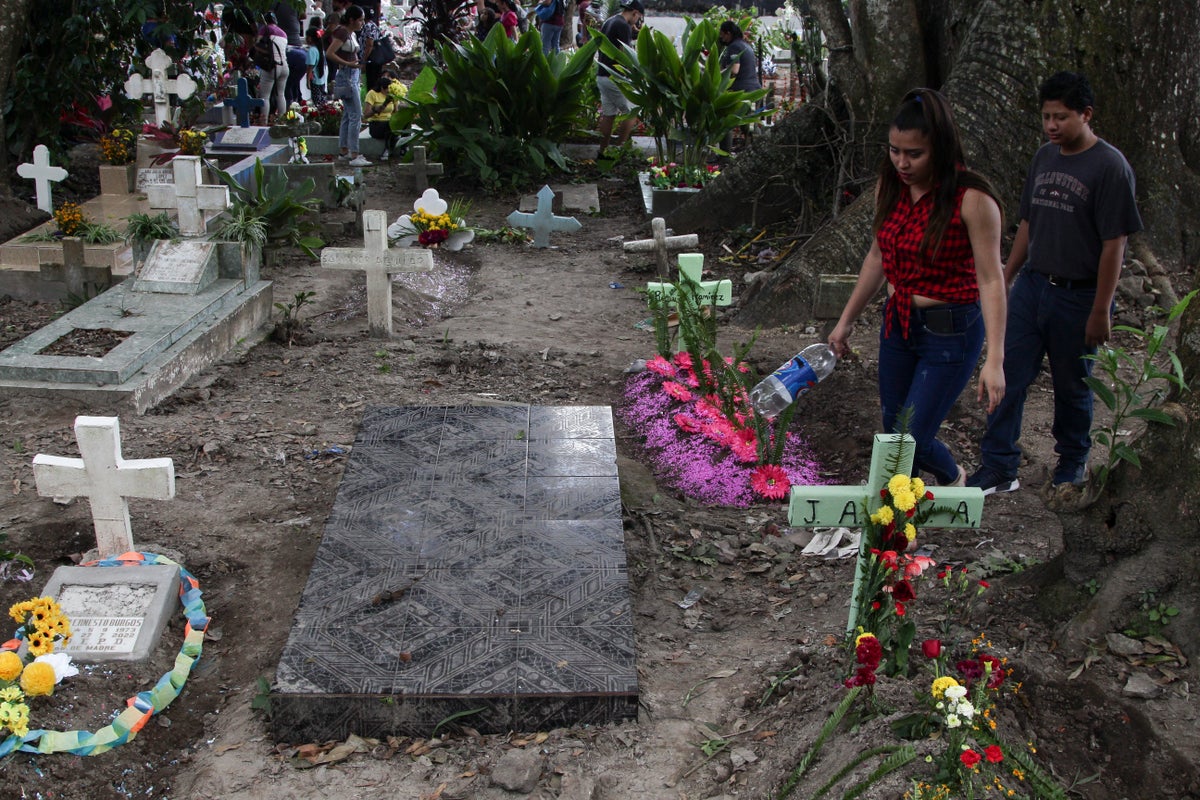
343	51
937	248
272	83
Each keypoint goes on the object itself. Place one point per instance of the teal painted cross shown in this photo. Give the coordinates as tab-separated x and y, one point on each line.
708	293
543	222
843	506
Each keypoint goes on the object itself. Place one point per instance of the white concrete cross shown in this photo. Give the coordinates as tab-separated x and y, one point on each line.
420	169
159	85
188	196
105	479
543	222
661	245
691	268
851	506
41	173
379	262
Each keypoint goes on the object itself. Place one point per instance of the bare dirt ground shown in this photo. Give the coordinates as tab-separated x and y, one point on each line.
751	672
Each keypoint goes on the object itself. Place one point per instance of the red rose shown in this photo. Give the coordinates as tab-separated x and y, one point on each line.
903	592
932	648
899	609
970	758
993	753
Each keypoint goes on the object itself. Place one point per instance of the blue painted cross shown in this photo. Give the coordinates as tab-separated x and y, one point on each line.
543	222
243	102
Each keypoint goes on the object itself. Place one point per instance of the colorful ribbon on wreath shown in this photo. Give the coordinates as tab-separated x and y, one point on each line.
144	705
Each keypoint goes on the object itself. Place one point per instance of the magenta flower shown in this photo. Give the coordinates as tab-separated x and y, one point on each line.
687	423
677	391
689	378
719	430
661	366
744	445
770	481
683	359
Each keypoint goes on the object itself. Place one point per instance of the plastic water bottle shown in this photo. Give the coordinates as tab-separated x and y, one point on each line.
802	372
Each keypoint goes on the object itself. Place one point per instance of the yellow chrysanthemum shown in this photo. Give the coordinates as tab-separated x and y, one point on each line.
883	516
10	666
940	685
898	484
904	500
910	532
38	679
918	487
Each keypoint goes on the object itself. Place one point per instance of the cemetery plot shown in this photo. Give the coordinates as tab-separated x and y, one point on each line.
474	559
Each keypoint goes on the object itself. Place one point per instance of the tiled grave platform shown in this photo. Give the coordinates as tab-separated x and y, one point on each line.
473	561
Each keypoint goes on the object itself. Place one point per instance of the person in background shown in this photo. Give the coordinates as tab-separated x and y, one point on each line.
937	248
619	30
335	19
297	59
553	26
343	50
369	40
1078	208
272	83
380	105
510	18
738	59
318	72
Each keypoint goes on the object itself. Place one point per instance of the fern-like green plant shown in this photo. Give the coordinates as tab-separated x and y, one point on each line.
810	755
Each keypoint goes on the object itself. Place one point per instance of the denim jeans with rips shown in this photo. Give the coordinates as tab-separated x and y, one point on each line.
926	373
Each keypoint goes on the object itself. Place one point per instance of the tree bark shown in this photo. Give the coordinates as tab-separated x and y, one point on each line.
1139	56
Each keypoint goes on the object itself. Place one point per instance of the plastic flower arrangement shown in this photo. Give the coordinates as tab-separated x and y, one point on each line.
70	219
678	176
327	116
433	223
118	146
42	624
192	141
704	444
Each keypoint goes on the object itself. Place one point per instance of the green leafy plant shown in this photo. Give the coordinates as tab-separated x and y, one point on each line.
500	107
442	21
141	227
289	214
99	233
262	696
245	226
684	100
1134	398
291	315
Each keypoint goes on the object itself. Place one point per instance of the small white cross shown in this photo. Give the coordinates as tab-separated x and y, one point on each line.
41	173
379	262
543	222
105	479
188	197
661	245
159	85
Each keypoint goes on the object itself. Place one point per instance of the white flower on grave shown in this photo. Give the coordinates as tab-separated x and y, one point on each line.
61	662
965	709
430	213
953	721
956	692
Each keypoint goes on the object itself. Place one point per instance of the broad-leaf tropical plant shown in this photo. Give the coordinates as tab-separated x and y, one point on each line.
684	99
499	108
289	214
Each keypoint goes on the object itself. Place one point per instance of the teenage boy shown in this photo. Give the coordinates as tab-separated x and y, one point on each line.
619	30
1077	210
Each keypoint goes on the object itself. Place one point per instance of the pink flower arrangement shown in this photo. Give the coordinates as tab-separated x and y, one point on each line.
677	391
690	444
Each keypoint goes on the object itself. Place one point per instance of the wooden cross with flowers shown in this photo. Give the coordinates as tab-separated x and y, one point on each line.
861	506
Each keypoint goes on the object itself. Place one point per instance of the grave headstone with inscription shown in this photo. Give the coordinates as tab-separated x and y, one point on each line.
115	614
178	267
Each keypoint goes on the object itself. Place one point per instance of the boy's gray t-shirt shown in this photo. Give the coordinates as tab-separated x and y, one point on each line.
1073	204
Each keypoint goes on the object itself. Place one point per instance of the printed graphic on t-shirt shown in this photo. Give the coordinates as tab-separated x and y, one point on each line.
1060	191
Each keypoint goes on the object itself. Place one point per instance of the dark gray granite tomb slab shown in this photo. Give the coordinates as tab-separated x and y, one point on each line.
474	561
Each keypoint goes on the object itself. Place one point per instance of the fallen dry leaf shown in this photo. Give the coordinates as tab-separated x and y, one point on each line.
758	737
272	373
225	748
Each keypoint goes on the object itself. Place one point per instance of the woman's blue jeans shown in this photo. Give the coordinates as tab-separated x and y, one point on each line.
345	88
926	373
551	37
1043	321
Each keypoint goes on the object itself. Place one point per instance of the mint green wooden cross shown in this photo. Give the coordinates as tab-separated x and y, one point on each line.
830	506
708	293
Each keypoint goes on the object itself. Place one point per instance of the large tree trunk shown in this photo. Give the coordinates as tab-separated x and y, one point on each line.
13	16
1139	55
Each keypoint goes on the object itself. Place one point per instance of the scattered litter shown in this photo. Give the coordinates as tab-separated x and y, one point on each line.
691	599
616	285
637	366
828	543
330	452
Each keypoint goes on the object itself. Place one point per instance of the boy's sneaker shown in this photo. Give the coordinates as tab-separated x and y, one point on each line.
1074	474
359	161
992	482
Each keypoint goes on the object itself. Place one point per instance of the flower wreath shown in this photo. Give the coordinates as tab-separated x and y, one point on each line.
142	706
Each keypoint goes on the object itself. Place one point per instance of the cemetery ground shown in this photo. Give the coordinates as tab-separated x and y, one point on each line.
734	689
